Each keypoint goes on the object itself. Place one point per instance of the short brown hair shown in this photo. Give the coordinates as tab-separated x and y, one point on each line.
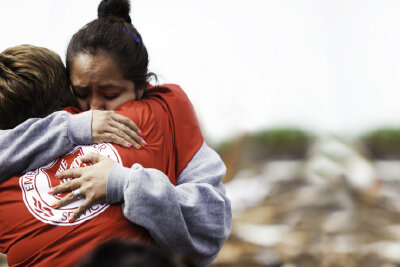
33	83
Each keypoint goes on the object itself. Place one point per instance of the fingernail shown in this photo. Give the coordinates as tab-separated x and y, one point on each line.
54	205
144	143
56	175
50	192
139	133
138	146
129	144
70	219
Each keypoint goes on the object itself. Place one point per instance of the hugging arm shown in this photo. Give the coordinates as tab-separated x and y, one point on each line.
38	141
194	217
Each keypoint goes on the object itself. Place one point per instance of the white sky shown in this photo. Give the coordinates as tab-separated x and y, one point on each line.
327	66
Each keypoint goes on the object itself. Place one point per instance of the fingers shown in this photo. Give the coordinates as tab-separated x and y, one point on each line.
91	158
127	122
126	134
71	197
116	139
70	173
129	128
86	204
66	187
108	126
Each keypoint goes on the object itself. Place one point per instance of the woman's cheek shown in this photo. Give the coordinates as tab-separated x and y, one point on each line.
84	105
112	105
115	103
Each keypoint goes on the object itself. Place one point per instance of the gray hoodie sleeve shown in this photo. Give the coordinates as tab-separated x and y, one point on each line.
40	140
194	217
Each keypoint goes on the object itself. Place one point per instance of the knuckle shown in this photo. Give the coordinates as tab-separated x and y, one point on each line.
86	183
73	185
89	202
66	187
113	138
81	209
90	197
61	188
126	129
106	137
108	120
62	202
88	189
70	197
110	114
120	141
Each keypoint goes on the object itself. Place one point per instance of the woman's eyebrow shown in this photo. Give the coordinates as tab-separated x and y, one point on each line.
82	88
107	86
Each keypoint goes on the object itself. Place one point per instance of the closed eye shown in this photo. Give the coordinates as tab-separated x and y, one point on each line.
80	92
80	95
111	97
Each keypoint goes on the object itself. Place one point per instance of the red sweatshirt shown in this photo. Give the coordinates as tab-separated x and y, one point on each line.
32	233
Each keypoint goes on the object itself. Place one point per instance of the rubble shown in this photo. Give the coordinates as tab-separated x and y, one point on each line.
333	208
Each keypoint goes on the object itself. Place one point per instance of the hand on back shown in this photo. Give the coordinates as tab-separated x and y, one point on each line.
89	183
110	127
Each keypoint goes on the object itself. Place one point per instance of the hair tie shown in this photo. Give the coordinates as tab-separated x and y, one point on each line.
131	34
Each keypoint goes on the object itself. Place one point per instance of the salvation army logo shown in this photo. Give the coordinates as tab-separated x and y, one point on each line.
36	184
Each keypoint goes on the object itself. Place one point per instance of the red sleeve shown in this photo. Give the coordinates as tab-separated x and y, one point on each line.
72	110
186	130
157	129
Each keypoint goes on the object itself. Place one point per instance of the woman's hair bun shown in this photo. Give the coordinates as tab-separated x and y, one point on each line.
114	8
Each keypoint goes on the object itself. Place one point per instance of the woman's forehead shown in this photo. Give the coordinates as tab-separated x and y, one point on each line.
87	68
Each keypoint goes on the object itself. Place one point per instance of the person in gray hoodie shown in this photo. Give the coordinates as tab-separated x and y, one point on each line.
202	215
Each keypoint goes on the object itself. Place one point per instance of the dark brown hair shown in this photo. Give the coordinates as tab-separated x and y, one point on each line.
33	83
113	33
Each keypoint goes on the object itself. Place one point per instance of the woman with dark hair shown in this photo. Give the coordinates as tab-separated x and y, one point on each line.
32	231
107	65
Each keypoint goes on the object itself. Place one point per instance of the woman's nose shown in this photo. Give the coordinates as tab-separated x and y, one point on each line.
97	103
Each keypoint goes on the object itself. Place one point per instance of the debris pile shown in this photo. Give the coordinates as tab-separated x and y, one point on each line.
333	208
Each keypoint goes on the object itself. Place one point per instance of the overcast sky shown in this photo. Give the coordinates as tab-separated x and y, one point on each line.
327	66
